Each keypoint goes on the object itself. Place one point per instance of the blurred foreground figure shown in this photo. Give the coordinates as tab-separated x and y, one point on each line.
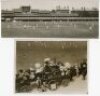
83	69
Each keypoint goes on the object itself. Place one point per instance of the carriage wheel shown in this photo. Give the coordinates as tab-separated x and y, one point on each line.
53	85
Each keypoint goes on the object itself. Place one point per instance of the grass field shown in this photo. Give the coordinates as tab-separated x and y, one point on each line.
28	53
52	29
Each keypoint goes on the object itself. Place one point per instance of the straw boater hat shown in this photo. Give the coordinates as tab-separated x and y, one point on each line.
39	70
47	60
67	65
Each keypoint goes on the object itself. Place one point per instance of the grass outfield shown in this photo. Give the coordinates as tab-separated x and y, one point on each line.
51	29
28	53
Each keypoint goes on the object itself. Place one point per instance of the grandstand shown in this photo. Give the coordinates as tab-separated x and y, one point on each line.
25	13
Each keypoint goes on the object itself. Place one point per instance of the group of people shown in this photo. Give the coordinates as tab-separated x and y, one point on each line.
50	73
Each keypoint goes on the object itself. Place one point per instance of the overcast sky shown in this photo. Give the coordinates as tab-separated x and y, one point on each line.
49	4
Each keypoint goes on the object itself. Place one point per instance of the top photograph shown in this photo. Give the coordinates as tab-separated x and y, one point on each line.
50	19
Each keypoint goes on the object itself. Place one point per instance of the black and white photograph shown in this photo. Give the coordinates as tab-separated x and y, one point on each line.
49	48
51	67
50	18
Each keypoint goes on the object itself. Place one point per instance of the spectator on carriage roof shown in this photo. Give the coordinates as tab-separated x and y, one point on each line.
47	64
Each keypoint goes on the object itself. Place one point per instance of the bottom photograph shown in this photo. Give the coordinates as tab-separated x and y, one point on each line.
51	67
